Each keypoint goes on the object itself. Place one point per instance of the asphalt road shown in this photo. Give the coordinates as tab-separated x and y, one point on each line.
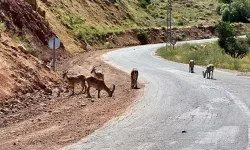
179	110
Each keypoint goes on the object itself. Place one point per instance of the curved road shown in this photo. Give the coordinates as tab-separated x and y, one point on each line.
179	110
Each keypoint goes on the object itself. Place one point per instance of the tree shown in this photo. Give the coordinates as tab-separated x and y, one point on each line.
225	32
227	40
239	11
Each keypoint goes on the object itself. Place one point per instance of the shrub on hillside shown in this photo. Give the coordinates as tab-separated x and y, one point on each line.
2	26
71	22
143	37
180	22
248	38
144	3
224	1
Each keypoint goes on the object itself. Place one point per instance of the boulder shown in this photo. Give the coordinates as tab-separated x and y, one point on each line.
33	4
41	12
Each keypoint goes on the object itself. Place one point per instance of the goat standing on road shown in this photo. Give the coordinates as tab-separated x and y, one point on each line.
191	66
134	77
209	71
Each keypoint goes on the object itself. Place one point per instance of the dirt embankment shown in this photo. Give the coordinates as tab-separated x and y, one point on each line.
153	36
21	72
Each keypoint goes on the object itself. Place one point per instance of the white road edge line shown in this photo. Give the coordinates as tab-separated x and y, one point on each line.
248	137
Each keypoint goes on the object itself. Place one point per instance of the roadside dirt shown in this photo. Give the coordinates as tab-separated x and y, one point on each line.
54	123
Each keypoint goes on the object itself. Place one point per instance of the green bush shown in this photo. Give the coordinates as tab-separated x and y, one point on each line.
248	38
143	37
144	3
80	30
224	1
71	22
85	32
2	26
180	22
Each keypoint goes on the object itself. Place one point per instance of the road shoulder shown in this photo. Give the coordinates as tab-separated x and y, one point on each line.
58	122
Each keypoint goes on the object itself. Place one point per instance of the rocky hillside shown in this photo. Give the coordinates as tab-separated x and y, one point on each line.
21	72
86	22
23	46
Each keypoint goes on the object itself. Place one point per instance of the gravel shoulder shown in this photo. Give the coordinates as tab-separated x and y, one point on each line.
54	123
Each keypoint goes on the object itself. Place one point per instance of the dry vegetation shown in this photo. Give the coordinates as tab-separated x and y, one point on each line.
204	54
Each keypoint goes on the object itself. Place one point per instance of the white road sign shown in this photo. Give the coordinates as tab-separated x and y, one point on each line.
53	41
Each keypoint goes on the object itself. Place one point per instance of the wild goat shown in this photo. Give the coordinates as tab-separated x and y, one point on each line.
97	75
98	85
75	80
191	66
209	71
134	77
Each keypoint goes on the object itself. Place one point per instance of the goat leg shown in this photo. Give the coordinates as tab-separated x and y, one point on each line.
99	93
88	94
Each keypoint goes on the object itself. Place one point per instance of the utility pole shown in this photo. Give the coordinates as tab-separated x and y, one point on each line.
169	24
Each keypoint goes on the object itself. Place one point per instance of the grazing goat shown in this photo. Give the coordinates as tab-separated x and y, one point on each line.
75	80
98	85
191	66
134	77
97	75
209	71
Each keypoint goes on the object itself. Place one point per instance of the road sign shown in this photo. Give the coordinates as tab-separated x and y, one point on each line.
111	36
54	43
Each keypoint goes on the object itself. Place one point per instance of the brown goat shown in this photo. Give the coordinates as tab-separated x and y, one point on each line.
134	77
75	80
97	75
98	85
191	66
209	71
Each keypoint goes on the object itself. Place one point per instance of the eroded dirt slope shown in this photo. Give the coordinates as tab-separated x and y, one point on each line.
21	72
27	27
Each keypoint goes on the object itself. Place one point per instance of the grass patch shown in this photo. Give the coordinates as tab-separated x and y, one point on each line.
84	31
2	26
204	54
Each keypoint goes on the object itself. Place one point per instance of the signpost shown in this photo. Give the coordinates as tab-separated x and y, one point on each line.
54	43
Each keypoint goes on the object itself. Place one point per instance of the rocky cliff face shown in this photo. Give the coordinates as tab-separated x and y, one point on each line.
20	19
21	70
